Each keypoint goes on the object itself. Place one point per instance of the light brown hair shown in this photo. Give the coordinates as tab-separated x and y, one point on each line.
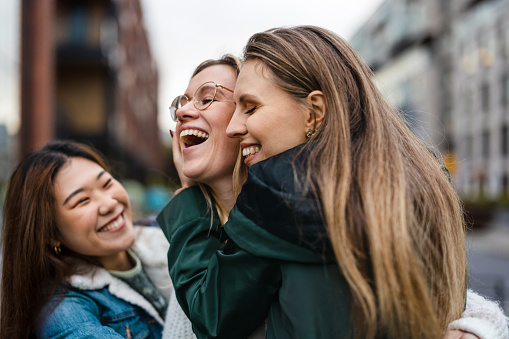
394	220
32	270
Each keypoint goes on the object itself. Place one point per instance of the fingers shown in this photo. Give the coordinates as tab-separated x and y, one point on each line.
456	334
179	163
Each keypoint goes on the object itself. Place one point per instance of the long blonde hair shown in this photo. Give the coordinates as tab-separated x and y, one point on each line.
394	219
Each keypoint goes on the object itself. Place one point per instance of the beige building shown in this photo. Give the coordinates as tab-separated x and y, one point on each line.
444	64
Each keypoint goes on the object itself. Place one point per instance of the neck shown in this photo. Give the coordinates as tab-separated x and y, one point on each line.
223	190
117	262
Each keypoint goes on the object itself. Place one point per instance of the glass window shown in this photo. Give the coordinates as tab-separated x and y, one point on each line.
504	139
505	91
485	144
485	97
78	24
469	147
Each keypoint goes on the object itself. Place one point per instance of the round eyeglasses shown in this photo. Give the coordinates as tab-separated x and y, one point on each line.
204	96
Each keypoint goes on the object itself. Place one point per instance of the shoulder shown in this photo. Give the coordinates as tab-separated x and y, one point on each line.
188	204
187	207
65	309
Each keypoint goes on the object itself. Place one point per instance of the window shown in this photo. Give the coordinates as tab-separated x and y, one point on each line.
469	147
486	144
446	83
468	101
504	139
505	92
505	186
78	24
501	37
485	97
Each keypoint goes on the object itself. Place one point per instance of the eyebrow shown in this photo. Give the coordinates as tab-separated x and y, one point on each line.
247	97
79	190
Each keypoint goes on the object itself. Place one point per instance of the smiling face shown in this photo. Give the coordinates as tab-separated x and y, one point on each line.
93	211
208	154
267	120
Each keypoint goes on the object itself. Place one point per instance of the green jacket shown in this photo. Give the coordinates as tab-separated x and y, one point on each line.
276	263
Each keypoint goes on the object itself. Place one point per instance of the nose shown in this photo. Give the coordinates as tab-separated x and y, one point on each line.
237	126
188	111
107	204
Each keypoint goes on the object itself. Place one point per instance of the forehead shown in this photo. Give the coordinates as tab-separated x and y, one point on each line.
75	173
253	77
220	74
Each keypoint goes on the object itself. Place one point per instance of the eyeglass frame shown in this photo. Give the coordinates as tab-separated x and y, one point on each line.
177	101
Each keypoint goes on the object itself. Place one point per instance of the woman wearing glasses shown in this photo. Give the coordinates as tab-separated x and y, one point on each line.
324	149
205	156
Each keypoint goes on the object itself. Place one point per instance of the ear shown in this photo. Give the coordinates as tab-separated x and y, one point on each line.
316	101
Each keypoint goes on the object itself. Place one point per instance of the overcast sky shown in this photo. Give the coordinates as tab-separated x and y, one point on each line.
184	33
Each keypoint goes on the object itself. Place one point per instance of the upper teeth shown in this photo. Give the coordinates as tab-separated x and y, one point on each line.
114	224
250	151
194	132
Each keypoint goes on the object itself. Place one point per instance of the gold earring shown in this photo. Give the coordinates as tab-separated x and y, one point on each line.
57	249
310	133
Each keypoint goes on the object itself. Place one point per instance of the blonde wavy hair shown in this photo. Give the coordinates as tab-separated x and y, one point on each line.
394	220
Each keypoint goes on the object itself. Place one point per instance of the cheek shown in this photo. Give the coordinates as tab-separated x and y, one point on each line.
227	151
122	196
71	225
259	128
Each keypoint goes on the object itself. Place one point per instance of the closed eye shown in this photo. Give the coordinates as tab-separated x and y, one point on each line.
81	201
249	111
107	183
205	101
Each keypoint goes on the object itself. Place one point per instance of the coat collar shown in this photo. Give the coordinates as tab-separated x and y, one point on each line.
274	199
149	241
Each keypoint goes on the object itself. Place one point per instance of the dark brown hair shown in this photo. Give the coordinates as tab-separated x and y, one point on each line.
31	270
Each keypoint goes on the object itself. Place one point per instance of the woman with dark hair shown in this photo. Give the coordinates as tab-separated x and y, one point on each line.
73	263
346	225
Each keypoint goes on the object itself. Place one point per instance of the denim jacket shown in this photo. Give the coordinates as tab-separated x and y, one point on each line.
98	305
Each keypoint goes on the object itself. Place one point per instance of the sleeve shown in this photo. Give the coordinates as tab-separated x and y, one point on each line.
225	292
75	317
483	318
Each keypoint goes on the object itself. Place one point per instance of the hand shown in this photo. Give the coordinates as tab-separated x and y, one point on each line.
457	334
179	164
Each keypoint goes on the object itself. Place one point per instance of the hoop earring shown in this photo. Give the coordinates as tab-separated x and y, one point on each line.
310	133
57	249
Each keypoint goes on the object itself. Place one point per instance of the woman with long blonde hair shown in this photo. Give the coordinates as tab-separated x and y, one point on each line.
346	226
394	221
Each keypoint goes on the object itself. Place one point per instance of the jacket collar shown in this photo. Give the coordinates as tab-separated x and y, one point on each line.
272	198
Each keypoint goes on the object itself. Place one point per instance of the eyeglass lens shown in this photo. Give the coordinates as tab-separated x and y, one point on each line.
203	98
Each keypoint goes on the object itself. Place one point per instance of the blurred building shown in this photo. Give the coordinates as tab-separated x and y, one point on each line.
445	65
7	155
481	96
102	78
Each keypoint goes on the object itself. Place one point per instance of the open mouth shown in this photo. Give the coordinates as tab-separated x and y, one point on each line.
192	137
113	225
248	151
